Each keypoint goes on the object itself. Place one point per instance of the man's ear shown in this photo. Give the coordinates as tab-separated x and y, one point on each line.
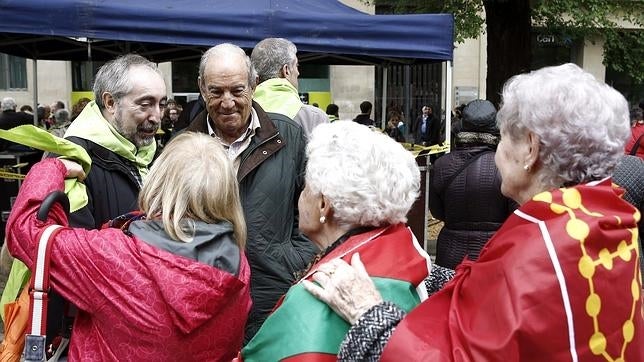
201	87
109	102
284	71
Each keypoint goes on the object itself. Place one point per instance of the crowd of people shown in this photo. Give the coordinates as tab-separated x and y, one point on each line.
266	229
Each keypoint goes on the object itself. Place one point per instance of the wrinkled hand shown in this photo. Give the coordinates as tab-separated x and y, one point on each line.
347	289
74	170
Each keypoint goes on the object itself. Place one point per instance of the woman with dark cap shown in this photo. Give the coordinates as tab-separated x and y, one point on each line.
465	189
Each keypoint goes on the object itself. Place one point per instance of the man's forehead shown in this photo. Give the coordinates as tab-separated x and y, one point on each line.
145	82
226	67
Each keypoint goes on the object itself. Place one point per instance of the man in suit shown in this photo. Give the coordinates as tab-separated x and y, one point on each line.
426	129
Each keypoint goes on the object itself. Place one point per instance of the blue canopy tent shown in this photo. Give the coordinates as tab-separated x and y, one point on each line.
326	31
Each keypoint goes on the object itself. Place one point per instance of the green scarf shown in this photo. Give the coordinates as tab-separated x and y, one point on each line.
40	139
278	95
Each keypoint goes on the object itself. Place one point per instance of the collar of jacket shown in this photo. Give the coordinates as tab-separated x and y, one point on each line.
266	141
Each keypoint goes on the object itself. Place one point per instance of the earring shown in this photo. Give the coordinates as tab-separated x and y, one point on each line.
526	167
322	219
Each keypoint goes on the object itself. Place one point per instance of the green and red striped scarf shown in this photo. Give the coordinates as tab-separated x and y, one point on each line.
301	328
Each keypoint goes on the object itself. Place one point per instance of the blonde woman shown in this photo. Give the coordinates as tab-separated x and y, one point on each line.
171	282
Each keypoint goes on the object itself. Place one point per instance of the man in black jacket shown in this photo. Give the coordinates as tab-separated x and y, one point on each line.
9	119
267	151
117	130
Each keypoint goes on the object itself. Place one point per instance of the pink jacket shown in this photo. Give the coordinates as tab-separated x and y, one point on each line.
137	301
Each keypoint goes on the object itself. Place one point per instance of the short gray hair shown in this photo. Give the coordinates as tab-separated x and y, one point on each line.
8	104
225	50
113	77
270	55
582	124
61	116
368	178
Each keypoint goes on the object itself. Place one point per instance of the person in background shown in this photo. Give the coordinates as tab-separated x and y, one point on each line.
189	113
52	111
393	128
629	174
365	114
426	129
61	118
635	144
27	109
170	116
124	281
564	265
267	153
333	111
77	108
275	60
360	185
467	176
9	119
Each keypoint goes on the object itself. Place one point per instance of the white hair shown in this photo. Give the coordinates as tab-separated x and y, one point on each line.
226	50
368	178
582	124
8	104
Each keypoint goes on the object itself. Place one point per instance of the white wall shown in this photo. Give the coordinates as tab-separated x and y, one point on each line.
350	86
470	65
592	56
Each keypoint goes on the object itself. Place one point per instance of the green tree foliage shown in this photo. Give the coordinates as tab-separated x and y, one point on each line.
575	19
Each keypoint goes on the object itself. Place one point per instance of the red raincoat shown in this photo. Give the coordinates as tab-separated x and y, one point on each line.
136	302
559	281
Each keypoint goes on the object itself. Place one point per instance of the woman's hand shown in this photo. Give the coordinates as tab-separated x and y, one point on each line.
74	170
347	289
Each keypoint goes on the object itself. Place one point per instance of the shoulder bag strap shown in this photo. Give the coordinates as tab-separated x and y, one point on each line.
39	286
35	340
636	145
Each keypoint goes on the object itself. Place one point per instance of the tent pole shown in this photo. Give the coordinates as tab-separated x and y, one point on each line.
448	103
383	120
34	68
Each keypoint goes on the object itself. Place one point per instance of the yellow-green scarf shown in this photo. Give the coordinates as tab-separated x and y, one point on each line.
278	95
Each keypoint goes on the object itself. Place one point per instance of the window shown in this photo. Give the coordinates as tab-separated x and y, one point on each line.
83	75
13	72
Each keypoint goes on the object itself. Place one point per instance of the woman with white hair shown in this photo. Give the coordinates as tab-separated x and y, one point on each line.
171	283
359	186
560	279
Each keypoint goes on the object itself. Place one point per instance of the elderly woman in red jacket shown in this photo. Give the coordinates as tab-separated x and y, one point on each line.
560	280
173	284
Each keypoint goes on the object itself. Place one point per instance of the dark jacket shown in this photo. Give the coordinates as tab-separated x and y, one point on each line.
471	205
431	136
270	179
364	119
112	189
10	119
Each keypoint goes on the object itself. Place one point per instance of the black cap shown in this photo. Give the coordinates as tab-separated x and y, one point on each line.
479	116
